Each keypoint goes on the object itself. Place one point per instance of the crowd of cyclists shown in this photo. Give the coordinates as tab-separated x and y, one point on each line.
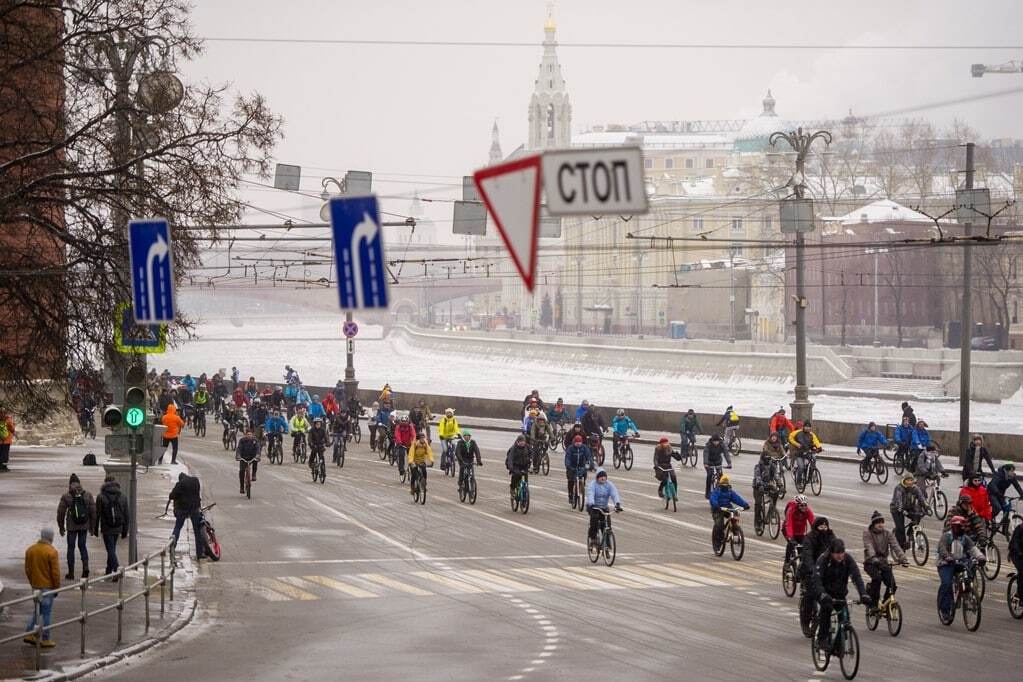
820	561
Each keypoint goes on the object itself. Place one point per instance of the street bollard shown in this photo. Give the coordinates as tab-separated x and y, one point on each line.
145	582
120	604
163	579
37	602
84	616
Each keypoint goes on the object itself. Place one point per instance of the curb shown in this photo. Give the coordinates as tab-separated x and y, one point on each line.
183	619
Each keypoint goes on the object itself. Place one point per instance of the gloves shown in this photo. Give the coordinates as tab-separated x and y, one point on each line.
866	600
618	507
61	532
746	508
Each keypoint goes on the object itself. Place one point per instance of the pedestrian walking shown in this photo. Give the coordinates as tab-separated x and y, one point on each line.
174	424
112	520
6	437
42	568
76	513
187	499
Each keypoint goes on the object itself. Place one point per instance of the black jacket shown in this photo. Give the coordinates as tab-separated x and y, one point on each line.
593	422
907	411
186	495
110	496
248	449
517	459
1001	482
815	544
466	452
570	436
973	461
1016	544
318	438
832	577
713	456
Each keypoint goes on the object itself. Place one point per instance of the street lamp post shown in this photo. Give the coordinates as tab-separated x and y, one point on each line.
800	142
877	251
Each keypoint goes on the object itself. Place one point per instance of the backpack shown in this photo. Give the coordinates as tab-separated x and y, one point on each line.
112	516
89	460
79	510
733	417
4	431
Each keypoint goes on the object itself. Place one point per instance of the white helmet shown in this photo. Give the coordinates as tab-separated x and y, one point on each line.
621	412
800	500
449	412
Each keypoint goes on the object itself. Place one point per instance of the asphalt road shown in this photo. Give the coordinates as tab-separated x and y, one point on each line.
351	580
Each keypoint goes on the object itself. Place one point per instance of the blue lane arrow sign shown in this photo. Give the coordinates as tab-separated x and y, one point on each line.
152	271
359	253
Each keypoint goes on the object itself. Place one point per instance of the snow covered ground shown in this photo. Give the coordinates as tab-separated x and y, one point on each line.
315	349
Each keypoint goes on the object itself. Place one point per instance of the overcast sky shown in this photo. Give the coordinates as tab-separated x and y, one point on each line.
419	116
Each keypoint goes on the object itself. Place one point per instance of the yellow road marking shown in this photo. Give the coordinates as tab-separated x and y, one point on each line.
488	577
387	581
651	570
457	585
285	588
334	584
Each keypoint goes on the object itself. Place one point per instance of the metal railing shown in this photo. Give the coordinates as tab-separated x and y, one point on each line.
165	583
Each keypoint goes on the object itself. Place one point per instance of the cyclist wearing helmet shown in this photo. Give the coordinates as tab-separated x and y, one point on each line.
766	475
275	427
593	422
404	436
447	430
956	552
620	427
316	410
802	443
721	500
466	452
689	427
578	459
870	442
420	456
663	469
600	492
516	461
907	501
319	440
832	574
798	518
540	434
878	543
527	421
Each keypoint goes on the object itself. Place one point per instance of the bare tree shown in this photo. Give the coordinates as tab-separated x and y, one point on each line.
1000	281
92	132
895	278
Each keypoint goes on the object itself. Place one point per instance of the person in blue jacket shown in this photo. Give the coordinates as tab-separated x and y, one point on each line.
190	382
905	437
721	499
316	410
578	460
275	427
581	410
621	424
599	493
871	442
302	397
290	394
922	439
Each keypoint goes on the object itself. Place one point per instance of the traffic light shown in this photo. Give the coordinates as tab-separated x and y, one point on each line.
135	396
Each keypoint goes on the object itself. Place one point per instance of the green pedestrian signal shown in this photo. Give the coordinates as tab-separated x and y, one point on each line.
135	417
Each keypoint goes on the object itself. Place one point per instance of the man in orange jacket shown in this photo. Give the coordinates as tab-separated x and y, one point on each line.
43	572
174	424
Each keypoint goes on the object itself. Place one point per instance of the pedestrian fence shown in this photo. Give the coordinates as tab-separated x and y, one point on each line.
165	584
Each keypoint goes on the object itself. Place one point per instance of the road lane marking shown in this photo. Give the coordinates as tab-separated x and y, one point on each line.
659	575
641	577
495	577
257	588
387	581
281	585
334	584
457	585
704	575
375	533
607	576
555	575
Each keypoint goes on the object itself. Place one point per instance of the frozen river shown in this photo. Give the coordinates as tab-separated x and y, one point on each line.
314	348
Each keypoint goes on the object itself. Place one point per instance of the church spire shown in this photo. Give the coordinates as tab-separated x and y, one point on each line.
550	112
495	145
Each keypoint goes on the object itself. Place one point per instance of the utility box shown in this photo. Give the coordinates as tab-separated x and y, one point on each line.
676	330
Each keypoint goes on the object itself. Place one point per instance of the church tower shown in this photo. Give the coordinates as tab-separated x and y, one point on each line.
496	156
550	112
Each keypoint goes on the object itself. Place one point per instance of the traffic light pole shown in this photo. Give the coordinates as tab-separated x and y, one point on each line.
133	499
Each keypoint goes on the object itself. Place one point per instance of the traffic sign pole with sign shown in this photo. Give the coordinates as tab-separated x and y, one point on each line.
152	271
137	338
359	253
349	329
605	181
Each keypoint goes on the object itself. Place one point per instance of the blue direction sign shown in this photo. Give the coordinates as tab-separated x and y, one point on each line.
359	252
152	271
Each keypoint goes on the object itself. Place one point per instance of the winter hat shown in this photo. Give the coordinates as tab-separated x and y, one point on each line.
74	479
837	546
875	517
577	440
46	534
663	441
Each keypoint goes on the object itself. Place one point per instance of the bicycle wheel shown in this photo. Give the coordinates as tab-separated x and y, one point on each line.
719	549
515	502
800	481
881	471
472	490
773	523
600	455
610	549
627	458
894	619
383	451
415	492
758	525
322	470
920	546
593	551
865	471
234	441
738	543
979	585
463	490
940	506
971	611
226	440
314	470
735	446
816	483
616	459
873	618
248	484
358	434
421	484
341	460
899	462
788	579
212	544
994	560
821	657
1015	605
545	464
849	654
524	502
949	618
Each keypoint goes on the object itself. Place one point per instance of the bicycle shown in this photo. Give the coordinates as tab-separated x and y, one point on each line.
248	477
318	465
1010	519
890	610
735	443
399	455
520	498
845	643
900	459
790	571
540	460
579	490
418	483
299	448
558	437
230	437
199	423
605	545
623	456
919	545
771	519
356	431
596	443
733	537
992	556
670	490
447	458
340	445
965	597
936	500
274	450
1013	601
467	484
384	444
808	473
715	472
873	465
208	534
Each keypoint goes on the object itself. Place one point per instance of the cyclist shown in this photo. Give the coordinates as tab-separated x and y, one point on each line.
404	437
557	414
730	420
540	433
275	427
329	406
251	388
419	457
299	427
593	422
418	417
372	423
908	414
929	468
290	395
1004	477
201	399
815	545
905	438
621	424
534	397
239	398
583	408
276	400
466	452
976	528
907	501
663	469
689	428
528	419
974	458
956	552
258	414
781	425
870	443
1016	557
341	424
189	382
578	459
447	431
319	441
923	439
599	493
290	375
576	430
774	448
798	517
721	500
878	542
975	490
385	394
713	459
516	461
831	579
248	451
802	444
302	398
766	473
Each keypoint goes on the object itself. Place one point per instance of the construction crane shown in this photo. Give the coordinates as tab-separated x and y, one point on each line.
978	70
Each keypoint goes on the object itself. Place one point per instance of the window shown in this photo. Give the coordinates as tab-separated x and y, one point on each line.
736	224
648	163
768	223
697	224
710	163
690	163
669	163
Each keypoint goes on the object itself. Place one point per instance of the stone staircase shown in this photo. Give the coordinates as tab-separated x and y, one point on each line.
888	388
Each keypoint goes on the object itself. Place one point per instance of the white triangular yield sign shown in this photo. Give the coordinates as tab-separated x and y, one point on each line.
511	193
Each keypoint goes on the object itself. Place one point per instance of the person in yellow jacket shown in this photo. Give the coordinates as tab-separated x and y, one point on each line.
801	442
448	431
419	457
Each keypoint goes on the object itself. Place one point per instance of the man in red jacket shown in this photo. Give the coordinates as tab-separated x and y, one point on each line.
798	517
781	424
975	490
404	436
